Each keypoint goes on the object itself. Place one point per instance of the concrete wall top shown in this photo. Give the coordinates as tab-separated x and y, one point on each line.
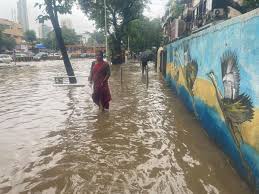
224	24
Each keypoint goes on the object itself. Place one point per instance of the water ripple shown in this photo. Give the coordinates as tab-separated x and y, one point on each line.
55	140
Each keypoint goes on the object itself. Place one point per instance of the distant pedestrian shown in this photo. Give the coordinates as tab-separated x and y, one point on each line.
143	65
99	75
144	58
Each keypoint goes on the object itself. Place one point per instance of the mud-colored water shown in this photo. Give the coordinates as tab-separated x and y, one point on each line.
55	140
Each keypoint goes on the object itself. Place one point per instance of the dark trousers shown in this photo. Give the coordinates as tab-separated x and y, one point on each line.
144	66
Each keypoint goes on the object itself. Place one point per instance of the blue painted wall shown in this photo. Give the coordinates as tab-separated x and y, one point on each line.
240	36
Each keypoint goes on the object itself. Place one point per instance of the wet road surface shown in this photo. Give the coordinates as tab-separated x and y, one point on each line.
55	140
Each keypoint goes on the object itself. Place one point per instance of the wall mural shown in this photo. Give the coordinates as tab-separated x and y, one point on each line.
185	69
236	108
191	71
217	78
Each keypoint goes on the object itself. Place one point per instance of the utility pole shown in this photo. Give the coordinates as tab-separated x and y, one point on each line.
106	38
95	42
128	43
127	52
105	27
128	48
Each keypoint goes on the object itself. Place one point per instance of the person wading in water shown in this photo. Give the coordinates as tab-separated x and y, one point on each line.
99	75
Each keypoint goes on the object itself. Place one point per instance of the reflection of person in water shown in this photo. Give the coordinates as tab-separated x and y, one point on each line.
100	73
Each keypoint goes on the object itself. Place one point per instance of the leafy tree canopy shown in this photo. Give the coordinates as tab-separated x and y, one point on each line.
69	35
144	34
30	36
175	8
119	15
251	4
6	42
50	10
9	43
50	42
96	38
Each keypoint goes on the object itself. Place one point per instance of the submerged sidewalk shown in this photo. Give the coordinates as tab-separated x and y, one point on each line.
147	143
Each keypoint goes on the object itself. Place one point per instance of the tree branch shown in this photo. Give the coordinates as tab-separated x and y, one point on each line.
55	10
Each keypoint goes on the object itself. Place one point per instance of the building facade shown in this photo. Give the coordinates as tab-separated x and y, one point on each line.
44	30
12	29
198	15
23	14
87	49
84	38
67	23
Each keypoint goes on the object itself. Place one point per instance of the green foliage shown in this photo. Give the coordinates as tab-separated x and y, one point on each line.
69	35
50	42
9	43
50	10
96	38
118	12
119	15
144	34
6	42
53	7
30	36
251	4
175	8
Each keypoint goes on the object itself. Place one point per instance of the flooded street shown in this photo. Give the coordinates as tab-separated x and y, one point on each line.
55	140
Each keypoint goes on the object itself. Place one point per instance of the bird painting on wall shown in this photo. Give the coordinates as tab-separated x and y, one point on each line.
236	108
189	68
191	72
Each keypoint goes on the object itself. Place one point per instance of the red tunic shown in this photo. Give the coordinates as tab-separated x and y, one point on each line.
101	93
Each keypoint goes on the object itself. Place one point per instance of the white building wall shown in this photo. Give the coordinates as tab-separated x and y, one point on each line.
23	14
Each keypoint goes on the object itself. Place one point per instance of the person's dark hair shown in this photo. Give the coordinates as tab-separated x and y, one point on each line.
100	53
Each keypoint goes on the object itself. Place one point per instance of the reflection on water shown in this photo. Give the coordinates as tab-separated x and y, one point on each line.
55	140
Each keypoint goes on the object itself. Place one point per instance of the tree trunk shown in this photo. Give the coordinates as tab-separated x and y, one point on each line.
52	11
63	50
116	51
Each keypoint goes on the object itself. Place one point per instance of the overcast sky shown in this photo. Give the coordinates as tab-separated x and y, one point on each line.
79	20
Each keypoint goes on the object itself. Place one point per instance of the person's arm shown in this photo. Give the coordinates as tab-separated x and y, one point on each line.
108	73
90	78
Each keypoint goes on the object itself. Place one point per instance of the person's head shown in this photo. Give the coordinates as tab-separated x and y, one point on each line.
99	55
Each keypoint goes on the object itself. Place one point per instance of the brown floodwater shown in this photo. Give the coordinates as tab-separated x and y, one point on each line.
55	140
